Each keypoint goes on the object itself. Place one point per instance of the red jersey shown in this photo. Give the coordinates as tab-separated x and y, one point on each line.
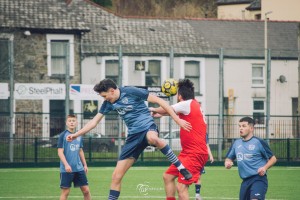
193	142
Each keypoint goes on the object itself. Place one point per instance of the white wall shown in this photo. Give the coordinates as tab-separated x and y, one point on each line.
237	76
237	11
288	10
91	70
281	10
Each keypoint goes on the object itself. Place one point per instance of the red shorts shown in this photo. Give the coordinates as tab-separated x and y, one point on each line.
194	163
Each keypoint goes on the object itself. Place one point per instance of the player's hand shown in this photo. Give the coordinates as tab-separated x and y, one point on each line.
68	168
211	158
71	137
261	171
156	115
85	169
228	164
153	113
185	125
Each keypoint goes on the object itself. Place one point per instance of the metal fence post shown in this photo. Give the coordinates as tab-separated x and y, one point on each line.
120	68
35	150
288	153
90	149
11	99
268	94
221	109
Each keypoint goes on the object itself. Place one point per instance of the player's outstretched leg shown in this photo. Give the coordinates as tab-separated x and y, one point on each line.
154	140
173	159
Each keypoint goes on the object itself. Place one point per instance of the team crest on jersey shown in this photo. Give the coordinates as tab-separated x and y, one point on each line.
251	147
125	100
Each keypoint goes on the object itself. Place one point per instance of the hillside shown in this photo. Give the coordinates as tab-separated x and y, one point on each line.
162	8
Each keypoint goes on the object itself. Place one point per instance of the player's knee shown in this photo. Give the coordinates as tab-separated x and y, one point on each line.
182	189
116	178
65	192
153	140
168	177
85	191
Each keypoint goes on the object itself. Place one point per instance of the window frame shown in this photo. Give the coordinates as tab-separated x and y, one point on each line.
157	76
63	38
200	92
262	78
262	111
5	69
113	77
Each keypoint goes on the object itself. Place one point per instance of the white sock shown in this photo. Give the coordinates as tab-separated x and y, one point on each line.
180	167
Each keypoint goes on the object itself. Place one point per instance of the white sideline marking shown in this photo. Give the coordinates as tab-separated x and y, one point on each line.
212	168
122	197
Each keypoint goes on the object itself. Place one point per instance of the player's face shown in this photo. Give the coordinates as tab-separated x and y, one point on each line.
109	95
71	123
246	130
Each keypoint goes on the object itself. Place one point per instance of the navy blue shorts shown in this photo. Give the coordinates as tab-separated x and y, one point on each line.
136	143
78	178
254	187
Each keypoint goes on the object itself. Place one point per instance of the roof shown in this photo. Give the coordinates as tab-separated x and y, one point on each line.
255	5
246	38
41	14
225	2
155	36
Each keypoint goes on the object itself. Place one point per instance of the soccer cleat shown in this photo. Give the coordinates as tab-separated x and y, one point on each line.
186	174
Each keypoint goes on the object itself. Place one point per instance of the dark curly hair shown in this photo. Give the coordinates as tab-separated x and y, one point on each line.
105	85
186	89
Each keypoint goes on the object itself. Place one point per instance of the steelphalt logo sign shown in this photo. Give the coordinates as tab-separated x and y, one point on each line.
39	91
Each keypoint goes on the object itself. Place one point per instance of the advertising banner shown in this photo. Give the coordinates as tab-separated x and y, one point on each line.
39	91
4	93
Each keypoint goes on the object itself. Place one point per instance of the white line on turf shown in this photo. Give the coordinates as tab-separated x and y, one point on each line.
122	197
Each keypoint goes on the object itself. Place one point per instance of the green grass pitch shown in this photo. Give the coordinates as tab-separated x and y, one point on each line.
141	183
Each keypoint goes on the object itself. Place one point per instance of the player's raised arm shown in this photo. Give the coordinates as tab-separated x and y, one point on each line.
89	126
182	123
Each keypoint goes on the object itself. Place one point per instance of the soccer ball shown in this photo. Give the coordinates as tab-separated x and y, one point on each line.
169	87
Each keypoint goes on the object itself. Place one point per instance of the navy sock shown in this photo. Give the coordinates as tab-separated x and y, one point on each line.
167	151
113	195
197	188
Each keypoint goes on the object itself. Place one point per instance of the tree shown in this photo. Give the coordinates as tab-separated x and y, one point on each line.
162	8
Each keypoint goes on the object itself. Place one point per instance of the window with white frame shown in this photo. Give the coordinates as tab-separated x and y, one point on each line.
60	49
112	70
153	75
192	72
4	59
259	111
258	75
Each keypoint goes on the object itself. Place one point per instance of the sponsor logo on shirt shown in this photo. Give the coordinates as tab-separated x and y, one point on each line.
248	156
122	111
239	156
74	147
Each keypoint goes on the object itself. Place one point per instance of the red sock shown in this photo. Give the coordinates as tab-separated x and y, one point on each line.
170	198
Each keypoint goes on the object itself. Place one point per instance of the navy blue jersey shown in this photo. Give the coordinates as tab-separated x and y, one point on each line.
71	151
132	108
250	155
